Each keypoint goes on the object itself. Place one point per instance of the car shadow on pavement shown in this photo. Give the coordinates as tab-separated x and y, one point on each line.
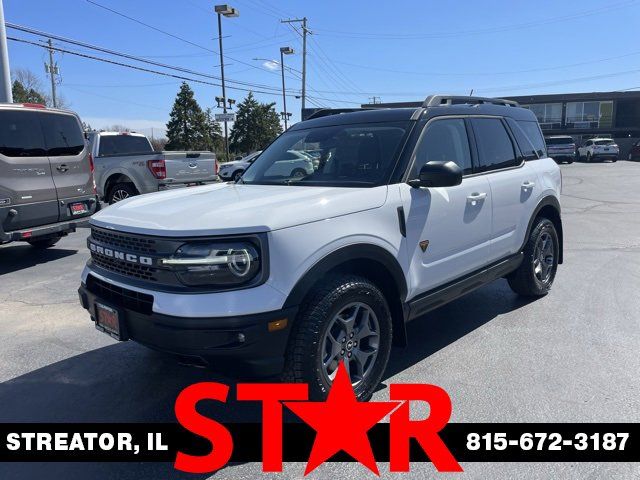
443	326
125	382
19	257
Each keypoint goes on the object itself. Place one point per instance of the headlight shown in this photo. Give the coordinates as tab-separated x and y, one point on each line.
215	264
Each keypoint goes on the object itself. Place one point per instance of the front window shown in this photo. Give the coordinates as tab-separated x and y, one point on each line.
356	155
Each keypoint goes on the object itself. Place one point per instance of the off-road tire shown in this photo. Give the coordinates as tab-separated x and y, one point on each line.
303	361
524	281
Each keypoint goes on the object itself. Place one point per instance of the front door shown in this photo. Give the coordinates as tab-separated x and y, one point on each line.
448	228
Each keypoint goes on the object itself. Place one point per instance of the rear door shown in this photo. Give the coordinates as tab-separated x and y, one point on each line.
70	164
27	191
514	185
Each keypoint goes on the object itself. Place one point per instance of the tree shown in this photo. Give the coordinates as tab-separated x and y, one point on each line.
158	144
256	125
187	128
23	94
27	88
117	128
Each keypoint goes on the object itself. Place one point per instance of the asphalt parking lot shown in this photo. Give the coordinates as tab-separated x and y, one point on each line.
569	357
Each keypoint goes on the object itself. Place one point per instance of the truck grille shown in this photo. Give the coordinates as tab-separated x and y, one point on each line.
127	269
121	297
125	242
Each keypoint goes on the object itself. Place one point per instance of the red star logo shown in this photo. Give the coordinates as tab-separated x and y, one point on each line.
341	423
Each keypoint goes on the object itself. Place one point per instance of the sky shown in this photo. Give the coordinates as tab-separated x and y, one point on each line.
395	51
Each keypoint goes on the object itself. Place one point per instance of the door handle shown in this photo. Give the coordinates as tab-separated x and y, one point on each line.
475	197
526	185
62	168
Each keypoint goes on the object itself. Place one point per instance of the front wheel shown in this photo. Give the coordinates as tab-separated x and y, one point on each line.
348	320
588	158
236	175
536	273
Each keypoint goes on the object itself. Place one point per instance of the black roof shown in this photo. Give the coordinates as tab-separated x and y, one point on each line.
376	115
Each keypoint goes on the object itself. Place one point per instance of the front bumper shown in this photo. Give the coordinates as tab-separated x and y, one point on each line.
240	344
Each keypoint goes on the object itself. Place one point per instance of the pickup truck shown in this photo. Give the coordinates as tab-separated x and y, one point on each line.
126	165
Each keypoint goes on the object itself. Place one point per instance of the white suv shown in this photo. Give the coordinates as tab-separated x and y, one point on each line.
406	210
599	148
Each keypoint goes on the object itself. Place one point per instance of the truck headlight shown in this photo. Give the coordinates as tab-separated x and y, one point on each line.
215	264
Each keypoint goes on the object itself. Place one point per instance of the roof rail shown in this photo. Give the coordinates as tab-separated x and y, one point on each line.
325	112
440	100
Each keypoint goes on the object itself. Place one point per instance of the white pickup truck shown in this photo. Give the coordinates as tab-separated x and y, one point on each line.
126	165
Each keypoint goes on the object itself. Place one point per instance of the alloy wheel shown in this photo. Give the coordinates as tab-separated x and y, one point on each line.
543	258
119	195
352	336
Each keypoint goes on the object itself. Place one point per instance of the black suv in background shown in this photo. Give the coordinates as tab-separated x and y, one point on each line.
562	148
46	174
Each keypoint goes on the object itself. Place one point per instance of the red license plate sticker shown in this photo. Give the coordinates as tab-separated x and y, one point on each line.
78	208
107	318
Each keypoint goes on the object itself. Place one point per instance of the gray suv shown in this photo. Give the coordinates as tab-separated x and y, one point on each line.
46	174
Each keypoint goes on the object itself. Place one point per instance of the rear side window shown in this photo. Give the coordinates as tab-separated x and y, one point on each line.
123	145
63	134
444	140
21	134
534	134
526	147
494	144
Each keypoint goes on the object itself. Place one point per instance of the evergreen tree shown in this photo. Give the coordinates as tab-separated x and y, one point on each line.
187	128
257	124
22	94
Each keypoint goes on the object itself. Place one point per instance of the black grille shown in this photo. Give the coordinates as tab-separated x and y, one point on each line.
121	297
125	242
127	269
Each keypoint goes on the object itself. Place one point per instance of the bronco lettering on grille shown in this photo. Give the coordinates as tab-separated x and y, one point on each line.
129	257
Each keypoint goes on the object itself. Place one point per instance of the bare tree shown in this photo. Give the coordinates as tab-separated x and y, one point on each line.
158	144
30	81
117	128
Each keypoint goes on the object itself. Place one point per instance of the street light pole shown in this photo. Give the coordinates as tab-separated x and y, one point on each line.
5	74
227	11
284	51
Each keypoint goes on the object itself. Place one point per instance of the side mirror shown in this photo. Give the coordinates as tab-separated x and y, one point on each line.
438	174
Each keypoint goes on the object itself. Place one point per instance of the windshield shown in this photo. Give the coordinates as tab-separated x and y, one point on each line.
603	142
559	141
356	155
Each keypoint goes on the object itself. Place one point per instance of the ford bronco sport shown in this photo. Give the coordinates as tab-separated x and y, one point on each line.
406	210
46	181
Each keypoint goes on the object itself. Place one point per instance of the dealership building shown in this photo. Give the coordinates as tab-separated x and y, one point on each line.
582	115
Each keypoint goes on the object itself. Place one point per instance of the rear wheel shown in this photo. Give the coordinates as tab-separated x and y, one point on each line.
44	243
121	191
348	320
588	157
536	273
298	173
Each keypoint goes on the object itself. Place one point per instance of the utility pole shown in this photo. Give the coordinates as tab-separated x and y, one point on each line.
375	100
227	11
52	69
305	30
5	73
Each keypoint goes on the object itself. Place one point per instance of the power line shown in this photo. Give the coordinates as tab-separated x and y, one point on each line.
164	32
143	69
132	57
156	72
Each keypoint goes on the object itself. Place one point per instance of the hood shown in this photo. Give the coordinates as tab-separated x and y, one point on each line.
230	208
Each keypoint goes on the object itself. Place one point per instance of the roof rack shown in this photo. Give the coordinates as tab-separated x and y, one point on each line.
441	100
325	112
